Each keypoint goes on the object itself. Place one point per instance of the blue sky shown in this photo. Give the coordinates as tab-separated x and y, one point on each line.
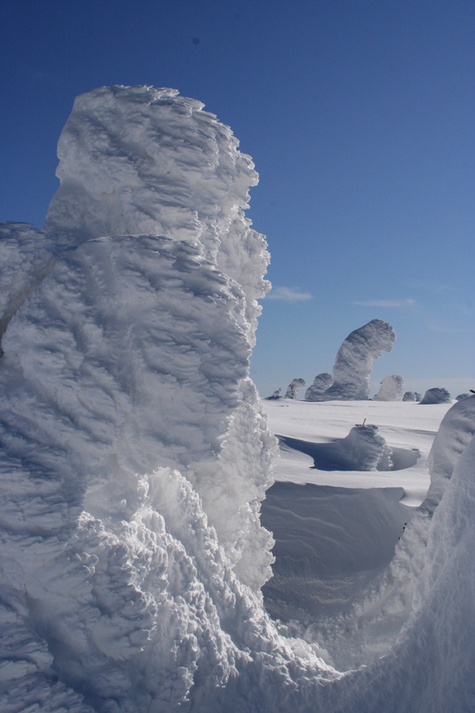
360	118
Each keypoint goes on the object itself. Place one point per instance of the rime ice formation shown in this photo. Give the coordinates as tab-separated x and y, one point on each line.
362	449
276	395
455	432
321	383
436	396
392	389
25	257
411	396
134	454
293	388
353	363
460	397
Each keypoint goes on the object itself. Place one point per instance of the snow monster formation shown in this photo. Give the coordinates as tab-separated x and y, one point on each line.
293	388
436	396
392	389
134	455
321	383
354	361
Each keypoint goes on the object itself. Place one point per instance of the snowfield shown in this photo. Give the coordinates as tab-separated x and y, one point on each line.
137	463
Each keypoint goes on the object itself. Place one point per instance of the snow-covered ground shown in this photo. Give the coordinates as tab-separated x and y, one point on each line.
406	426
337	529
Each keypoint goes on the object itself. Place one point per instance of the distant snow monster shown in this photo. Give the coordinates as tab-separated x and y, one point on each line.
321	383
392	389
293	388
411	396
354	360
436	396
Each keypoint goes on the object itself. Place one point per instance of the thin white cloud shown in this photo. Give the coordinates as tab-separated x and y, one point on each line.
384	303
288	294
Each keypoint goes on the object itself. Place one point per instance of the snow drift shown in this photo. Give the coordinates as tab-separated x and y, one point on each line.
134	455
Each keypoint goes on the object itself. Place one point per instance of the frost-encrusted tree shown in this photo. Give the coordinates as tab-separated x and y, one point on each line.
293	388
321	383
354	360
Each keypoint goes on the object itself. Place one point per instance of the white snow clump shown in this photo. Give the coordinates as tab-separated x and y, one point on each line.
392	389
436	396
411	396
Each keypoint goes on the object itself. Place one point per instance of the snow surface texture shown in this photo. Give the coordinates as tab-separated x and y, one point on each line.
135	455
321	383
354	361
25	257
293	388
436	396
392	389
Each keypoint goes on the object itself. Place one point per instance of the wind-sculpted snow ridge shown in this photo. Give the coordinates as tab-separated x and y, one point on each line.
134	454
392	389
354	361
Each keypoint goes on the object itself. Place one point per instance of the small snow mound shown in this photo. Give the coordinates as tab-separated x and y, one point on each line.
392	389
411	396
436	396
460	397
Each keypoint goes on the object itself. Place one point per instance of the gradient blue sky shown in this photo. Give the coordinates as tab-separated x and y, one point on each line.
360	118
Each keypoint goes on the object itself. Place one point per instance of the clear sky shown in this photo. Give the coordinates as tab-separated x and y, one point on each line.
359	115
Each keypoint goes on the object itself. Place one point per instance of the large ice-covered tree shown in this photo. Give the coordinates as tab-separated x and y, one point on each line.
134	454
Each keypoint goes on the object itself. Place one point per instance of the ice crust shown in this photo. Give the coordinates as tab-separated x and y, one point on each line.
134	454
354	361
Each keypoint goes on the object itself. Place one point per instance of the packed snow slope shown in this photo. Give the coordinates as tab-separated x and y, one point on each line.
135	455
